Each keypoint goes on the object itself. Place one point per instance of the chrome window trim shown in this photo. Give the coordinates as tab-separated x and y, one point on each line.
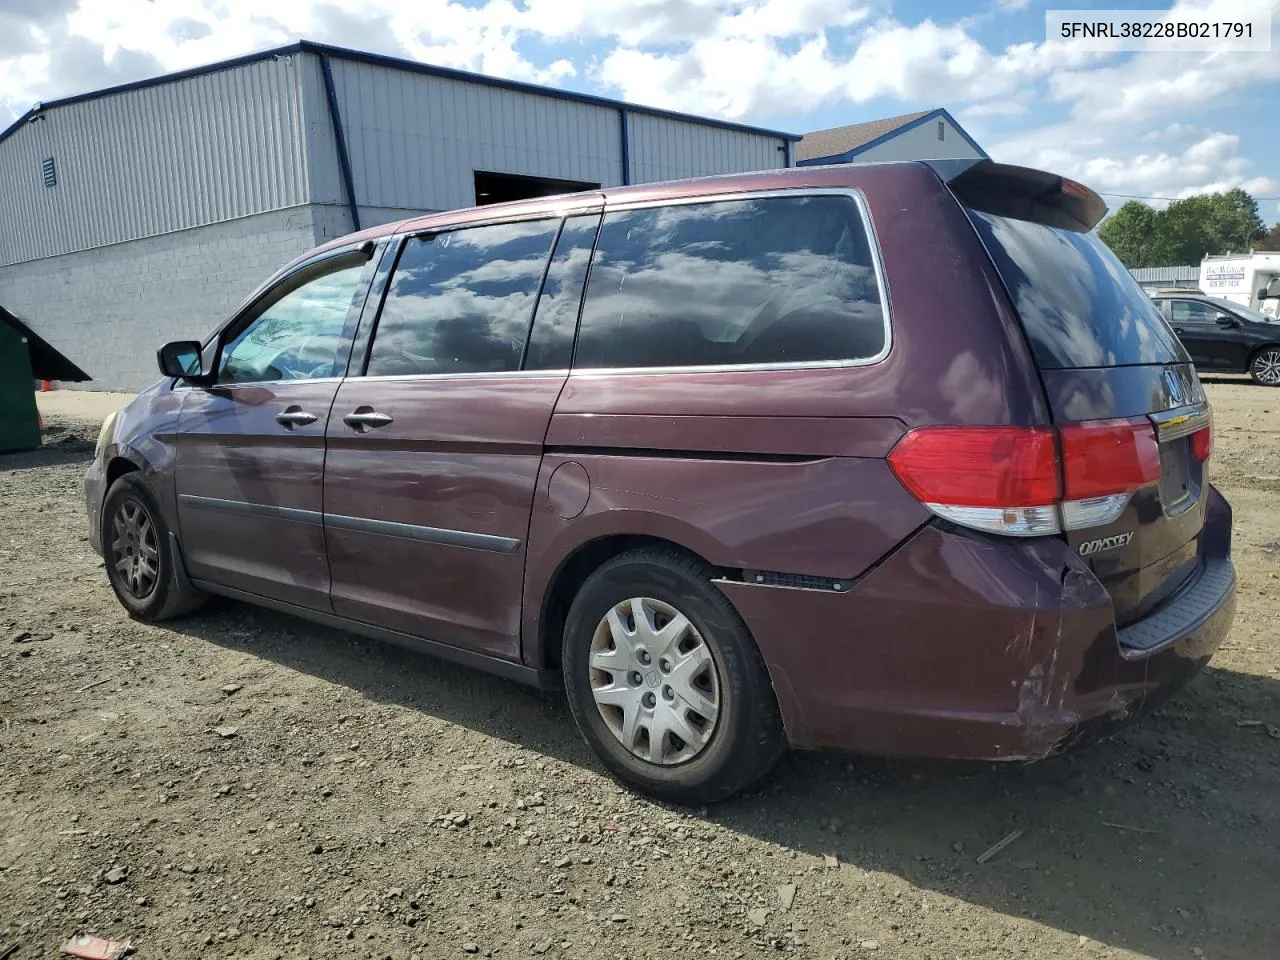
182	385
500	217
558	374
468	375
877	262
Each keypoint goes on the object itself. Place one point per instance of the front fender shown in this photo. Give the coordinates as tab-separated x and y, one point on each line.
143	436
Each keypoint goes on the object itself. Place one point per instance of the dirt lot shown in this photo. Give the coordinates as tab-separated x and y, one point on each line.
373	803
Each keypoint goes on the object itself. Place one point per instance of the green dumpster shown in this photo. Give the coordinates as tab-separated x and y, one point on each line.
25	358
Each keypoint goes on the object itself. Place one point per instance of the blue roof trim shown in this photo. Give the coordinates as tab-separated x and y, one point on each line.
398	63
939	114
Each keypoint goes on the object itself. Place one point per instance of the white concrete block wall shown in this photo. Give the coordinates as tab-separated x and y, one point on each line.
334	220
110	308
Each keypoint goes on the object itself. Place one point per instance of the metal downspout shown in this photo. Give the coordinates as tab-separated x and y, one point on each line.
624	125
340	139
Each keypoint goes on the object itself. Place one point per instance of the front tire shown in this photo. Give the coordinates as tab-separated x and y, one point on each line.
665	682
138	553
1265	367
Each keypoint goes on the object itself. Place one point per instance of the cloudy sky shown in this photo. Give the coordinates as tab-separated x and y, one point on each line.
1147	124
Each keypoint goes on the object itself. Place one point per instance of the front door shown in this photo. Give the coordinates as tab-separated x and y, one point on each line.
433	454
1234	341
250	447
1193	322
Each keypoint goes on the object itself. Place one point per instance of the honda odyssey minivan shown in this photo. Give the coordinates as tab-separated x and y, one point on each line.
890	458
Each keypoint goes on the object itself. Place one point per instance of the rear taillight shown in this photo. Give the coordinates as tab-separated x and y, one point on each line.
1002	479
1103	462
1028	481
1202	441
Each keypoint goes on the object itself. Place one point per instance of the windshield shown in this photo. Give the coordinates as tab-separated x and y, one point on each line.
1078	304
1241	310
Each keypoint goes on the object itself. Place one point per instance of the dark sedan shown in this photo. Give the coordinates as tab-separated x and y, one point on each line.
1225	336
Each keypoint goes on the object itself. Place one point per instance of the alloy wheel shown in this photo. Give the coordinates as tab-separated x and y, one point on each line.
1266	367
654	681
135	552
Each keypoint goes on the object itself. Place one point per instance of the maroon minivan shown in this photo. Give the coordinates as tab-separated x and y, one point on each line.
890	458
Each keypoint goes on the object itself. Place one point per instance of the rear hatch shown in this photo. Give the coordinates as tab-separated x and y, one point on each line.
1105	353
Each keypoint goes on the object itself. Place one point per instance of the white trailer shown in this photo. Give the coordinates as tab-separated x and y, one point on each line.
1252	280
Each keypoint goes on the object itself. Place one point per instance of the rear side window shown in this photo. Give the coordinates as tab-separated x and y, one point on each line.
771	280
461	302
1078	304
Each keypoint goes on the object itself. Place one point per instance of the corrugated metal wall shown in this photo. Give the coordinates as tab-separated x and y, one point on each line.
416	140
664	148
153	160
1169	275
258	137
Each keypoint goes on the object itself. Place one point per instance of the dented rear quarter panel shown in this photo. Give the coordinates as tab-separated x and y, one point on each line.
699	457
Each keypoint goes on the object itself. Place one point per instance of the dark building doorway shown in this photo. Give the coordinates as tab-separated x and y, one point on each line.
501	187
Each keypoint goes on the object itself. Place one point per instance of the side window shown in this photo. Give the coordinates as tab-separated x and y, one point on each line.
556	319
296	336
773	280
1192	311
461	302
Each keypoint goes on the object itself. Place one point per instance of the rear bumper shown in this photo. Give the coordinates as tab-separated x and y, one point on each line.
971	648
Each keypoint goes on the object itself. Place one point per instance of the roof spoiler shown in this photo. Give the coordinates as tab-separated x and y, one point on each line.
1021	193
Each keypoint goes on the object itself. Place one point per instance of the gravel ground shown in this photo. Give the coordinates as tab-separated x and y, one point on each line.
243	784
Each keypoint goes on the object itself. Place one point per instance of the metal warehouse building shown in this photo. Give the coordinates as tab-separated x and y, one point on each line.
143	213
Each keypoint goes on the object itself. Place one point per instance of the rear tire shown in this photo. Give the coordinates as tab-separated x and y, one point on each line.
1265	367
138	553
653	614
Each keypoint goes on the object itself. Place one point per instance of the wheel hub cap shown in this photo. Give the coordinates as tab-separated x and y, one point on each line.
654	681
135	554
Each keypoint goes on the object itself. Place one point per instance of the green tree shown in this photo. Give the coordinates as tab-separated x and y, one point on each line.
1186	231
1271	241
1132	233
1211	223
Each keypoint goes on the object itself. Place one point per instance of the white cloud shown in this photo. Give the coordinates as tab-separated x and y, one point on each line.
1111	119
1212	163
1004	107
1174	131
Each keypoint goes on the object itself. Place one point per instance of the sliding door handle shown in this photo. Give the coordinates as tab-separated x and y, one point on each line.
364	419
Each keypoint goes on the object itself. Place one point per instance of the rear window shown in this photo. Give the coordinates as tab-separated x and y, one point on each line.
1078	304
752	281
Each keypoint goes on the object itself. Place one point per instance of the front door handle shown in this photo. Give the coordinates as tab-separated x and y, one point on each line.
293	417
364	419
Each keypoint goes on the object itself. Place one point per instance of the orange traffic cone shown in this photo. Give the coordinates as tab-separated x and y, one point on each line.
46	386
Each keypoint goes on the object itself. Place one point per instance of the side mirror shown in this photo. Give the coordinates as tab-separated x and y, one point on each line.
1223	320
180	359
